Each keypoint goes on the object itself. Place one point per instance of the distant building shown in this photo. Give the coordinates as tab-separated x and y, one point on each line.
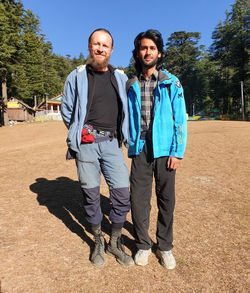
52	105
49	109
19	111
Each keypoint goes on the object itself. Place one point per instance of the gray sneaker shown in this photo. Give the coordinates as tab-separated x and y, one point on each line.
167	259
141	257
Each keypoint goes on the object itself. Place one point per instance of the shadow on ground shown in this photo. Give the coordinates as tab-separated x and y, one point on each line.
63	199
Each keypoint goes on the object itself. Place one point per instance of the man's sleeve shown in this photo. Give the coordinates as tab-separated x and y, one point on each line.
68	99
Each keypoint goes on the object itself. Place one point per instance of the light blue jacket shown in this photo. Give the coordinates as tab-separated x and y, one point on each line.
169	130
74	104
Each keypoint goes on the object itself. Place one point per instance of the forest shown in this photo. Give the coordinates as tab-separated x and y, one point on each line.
215	80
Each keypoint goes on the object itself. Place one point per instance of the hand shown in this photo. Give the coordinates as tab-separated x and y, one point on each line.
173	163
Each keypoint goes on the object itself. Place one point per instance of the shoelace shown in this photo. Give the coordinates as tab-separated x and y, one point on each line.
168	254
120	244
140	252
98	242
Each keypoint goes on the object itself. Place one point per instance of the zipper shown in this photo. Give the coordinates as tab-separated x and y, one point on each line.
155	108
176	142
180	134
139	116
156	105
136	97
172	114
175	136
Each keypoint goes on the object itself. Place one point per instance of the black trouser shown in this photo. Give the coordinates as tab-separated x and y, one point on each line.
142	169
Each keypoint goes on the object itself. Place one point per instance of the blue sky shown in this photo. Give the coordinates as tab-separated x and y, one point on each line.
68	24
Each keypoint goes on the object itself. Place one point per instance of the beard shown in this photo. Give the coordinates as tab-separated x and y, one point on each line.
98	64
148	65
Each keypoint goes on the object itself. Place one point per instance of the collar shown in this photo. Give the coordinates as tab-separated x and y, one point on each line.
90	68
153	76
163	76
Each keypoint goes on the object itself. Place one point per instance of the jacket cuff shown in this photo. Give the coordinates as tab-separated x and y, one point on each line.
176	155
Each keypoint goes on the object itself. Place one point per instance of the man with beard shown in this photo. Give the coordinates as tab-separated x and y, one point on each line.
94	108
158	133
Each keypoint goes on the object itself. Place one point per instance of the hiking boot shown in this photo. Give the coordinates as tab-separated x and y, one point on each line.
115	248
167	259
97	257
141	257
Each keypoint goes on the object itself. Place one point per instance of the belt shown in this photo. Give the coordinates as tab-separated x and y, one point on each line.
104	133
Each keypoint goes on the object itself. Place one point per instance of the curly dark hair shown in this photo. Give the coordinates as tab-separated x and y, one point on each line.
156	37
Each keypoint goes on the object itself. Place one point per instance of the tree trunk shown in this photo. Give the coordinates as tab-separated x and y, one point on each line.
5	117
35	102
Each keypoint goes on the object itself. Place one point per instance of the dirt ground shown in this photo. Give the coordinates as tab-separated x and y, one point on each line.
45	243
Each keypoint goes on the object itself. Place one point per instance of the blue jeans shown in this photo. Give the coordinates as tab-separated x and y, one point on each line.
107	158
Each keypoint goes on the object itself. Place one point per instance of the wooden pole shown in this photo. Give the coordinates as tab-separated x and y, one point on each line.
242	102
4	101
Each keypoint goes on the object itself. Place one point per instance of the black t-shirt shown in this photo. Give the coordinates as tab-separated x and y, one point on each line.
103	112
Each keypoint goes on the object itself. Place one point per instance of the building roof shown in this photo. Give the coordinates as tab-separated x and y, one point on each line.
15	103
55	100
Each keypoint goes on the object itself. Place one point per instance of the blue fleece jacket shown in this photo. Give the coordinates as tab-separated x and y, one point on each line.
74	104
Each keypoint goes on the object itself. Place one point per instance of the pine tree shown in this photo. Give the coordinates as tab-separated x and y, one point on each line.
28	76
182	60
230	50
130	70
10	23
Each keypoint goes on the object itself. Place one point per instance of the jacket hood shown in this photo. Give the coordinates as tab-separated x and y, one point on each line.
89	67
